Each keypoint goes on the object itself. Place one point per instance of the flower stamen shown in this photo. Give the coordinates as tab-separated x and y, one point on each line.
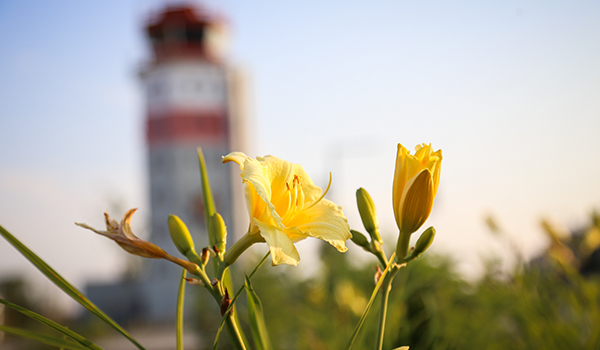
324	193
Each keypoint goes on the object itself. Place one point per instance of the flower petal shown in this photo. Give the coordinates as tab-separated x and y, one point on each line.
281	246
325	221
257	176
258	187
435	165
417	202
236	157
281	172
125	227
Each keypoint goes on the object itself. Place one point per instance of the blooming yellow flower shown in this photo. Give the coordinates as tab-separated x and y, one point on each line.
285	206
124	237
416	181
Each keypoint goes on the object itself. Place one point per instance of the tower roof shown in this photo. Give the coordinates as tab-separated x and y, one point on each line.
184	32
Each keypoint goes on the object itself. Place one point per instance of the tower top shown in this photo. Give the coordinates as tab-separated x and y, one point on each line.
185	32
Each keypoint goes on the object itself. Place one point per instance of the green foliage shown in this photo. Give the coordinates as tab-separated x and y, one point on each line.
72	335
432	307
65	286
44	339
260	334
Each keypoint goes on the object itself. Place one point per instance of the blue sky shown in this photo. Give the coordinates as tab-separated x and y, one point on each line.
510	90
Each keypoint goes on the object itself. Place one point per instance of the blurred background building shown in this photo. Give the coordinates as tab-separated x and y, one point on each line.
193	99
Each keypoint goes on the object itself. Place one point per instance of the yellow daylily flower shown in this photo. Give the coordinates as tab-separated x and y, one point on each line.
124	237
416	181
285	206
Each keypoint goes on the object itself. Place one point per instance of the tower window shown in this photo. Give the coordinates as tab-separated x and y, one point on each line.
194	35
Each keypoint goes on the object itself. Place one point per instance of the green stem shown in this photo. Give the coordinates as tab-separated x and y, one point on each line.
385	294
402	246
206	281
180	300
375	247
233	253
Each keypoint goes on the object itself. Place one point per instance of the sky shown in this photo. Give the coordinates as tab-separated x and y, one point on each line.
509	90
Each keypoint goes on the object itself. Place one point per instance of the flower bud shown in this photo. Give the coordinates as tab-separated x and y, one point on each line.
180	235
416	181
423	242
359	239
217	228
368	215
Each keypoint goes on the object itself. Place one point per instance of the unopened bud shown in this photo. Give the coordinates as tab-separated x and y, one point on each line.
225	302
359	239
423	242
180	235
217	229
368	215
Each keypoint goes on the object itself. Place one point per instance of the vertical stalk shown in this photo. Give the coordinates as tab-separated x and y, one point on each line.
180	300
386	288
385	294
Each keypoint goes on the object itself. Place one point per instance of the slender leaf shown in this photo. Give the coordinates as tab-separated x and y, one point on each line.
209	202
64	330
237	294
180	299
258	326
370	303
43	338
66	287
209	206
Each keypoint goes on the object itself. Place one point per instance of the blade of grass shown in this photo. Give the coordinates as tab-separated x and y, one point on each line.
180	299
64	330
66	287
237	294
43	338
370	303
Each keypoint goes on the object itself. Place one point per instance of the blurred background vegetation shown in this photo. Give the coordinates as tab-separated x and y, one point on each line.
549	302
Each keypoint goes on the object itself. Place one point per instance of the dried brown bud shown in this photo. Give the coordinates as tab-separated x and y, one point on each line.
214	282
195	281
216	249
124	237
225	302
378	274
204	256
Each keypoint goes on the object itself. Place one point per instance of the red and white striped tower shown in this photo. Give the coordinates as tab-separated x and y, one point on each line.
192	100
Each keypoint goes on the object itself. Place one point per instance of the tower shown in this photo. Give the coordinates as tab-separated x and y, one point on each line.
192	101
